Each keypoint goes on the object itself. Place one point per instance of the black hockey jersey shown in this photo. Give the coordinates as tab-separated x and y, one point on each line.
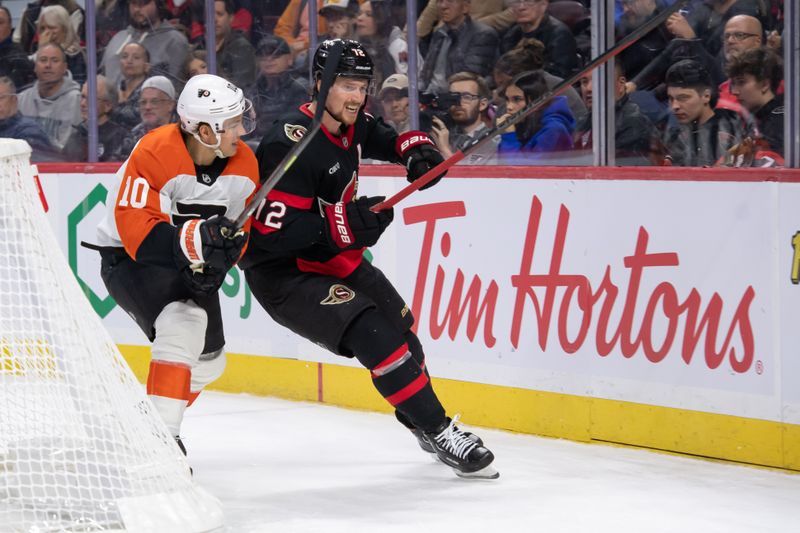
288	225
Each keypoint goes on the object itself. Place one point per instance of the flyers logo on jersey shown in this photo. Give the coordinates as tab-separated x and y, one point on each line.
338	294
203	93
294	132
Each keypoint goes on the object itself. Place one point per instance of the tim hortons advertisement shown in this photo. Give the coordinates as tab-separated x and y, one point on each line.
674	293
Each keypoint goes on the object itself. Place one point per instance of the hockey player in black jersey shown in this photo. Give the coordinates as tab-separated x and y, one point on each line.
304	262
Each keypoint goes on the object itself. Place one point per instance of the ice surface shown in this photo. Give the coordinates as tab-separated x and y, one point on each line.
281	466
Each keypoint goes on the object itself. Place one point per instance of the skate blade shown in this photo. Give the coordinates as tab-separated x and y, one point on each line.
487	472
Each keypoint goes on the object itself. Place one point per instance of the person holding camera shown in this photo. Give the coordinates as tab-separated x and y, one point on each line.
466	119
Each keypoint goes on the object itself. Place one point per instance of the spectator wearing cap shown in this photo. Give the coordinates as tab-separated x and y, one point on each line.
340	18
276	88
468	119
167	46
54	100
702	135
112	138
383	41
755	77
156	108
394	99
235	54
459	44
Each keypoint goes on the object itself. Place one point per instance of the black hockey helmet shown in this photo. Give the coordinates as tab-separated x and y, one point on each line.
354	62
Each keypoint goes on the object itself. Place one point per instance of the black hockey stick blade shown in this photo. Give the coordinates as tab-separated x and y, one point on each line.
328	77
537	104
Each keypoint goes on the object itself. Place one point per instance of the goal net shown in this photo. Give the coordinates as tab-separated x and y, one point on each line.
81	447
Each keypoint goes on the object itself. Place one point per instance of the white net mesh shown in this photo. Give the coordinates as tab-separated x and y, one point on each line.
81	448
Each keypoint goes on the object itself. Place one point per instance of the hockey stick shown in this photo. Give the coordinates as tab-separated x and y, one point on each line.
328	76
537	104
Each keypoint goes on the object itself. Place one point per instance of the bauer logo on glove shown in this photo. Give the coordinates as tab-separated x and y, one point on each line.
353	225
419	155
340	223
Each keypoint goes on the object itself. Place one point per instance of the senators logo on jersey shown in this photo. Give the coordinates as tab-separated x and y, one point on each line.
294	132
338	294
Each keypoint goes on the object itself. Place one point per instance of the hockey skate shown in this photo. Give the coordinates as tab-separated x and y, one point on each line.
462	451
420	435
427	447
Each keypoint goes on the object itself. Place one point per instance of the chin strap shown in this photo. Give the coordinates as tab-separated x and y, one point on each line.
214	147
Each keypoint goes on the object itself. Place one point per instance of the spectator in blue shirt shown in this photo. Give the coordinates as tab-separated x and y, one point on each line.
541	135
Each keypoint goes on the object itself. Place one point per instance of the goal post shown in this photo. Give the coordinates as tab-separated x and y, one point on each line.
81	446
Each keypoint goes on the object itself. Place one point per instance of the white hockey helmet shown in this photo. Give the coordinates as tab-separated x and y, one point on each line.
213	100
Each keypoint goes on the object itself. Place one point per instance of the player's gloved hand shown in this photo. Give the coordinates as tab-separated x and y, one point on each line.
419	155
353	225
206	281
206	249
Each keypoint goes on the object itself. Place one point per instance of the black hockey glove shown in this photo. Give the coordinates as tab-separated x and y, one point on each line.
352	225
205	250
419	155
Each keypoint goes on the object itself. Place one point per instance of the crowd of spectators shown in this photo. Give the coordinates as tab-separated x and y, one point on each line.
705	88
